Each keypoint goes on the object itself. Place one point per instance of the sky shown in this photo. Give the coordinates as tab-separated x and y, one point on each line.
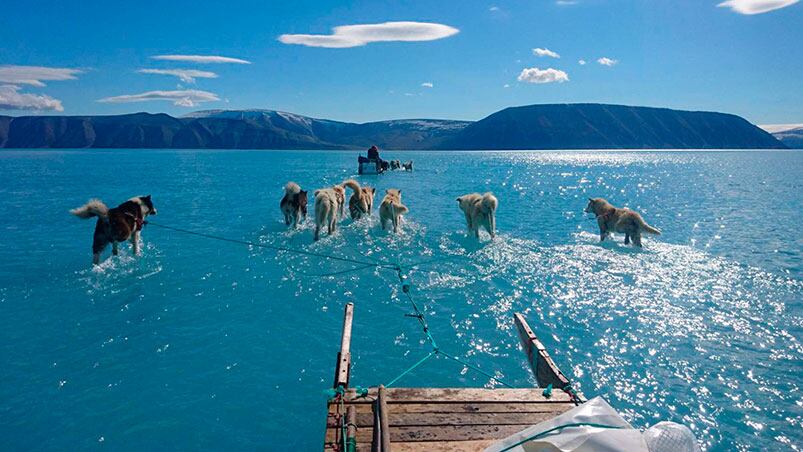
366	61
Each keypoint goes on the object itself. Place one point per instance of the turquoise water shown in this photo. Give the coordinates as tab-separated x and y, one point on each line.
204	344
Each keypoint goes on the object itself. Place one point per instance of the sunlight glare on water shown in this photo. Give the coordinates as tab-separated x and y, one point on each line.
199	343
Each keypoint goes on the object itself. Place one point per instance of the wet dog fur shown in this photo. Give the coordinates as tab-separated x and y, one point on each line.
391	209
480	211
329	205
294	204
361	202
115	225
620	220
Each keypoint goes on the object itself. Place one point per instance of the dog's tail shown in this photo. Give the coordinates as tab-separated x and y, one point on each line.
400	208
94	208
353	184
489	203
647	228
292	188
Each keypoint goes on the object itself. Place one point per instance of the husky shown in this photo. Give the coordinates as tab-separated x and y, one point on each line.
392	209
361	201
328	208
613	219
480	210
119	224
395	164
408	165
294	204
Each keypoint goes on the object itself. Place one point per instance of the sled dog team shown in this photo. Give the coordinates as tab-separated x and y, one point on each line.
125	221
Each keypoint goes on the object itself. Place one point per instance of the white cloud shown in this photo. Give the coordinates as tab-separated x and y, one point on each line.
506	85
605	61
181	98
201	59
493	8
358	35
34	75
581	62
427	85
545	52
535	75
185	75
775	128
12	99
756	6
565	2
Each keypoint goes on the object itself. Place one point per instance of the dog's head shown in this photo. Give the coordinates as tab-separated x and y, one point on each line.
595	204
393	193
145	201
368	194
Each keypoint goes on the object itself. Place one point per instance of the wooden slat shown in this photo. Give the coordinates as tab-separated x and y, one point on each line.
467	395
444	446
438	433
467	407
366	420
544	368
343	367
384	430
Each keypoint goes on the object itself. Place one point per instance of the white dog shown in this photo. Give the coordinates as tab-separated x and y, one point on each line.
328	208
480	210
392	209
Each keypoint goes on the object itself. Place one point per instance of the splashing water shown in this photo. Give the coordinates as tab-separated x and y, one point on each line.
216	345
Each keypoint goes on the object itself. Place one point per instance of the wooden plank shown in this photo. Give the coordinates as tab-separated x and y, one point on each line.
343	367
438	433
544	368
351	425
384	429
366	420
444	446
467	407
467	395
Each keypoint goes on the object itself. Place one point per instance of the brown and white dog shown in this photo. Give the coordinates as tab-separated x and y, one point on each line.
329	205
480	210
392	209
361	202
119	224
294	204
624	221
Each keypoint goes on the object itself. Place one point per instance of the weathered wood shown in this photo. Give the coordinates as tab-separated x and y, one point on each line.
351	425
452	395
343	368
465	407
438	433
444	446
544	368
433	419
383	419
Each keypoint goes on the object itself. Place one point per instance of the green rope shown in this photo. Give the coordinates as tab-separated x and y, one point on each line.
560	427
476	369
411	368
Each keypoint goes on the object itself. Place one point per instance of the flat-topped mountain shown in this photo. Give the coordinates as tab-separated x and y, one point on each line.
556	126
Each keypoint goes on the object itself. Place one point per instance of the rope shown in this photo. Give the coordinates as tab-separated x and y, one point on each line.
381	264
560	427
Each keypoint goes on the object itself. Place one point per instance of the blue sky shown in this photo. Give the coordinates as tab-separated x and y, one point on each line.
478	57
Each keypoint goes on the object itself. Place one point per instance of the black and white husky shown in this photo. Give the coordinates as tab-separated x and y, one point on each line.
118	224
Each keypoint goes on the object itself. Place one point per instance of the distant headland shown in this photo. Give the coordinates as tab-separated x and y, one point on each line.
537	127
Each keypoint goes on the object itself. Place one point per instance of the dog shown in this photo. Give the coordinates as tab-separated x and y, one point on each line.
408	165
395	164
361	201
391	209
119	224
613	219
328	208
294	204
480	210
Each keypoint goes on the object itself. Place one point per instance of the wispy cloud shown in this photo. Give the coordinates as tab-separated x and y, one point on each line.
545	52
775	128
566	2
181	98
201	59
581	62
493	8
35	75
535	75
605	61
12	99
185	75
427	85
756	6
359	35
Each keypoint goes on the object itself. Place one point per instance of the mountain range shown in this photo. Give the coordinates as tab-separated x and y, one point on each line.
547	126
